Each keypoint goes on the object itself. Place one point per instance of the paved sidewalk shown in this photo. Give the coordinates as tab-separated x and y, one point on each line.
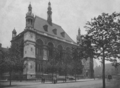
113	84
39	82
70	81
82	83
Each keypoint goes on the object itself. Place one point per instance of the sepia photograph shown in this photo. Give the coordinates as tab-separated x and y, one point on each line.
59	43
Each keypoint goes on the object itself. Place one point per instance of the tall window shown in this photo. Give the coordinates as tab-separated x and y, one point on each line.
60	49
39	49
68	50
39	53
50	49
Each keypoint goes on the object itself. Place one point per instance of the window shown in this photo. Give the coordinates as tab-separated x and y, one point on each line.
50	49
39	67
39	48
45	54
60	50
31	66
31	35
55	31
45	27
31	49
63	34
25	52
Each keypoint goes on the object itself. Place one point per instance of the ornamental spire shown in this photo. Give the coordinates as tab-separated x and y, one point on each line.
79	36
49	12
14	33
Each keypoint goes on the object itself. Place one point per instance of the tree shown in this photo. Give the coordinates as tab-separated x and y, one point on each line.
16	54
104	33
2	62
84	50
13	61
87	51
77	57
115	64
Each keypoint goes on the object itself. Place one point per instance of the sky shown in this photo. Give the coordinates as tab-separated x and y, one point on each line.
69	14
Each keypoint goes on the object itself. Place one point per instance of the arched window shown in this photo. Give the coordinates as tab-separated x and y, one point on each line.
39	48
67	50
50	49
39	53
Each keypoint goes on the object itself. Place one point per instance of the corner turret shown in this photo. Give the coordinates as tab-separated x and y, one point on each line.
29	18
79	37
14	33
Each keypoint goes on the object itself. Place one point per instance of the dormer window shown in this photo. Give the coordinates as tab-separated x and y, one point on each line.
63	34
45	27
55	31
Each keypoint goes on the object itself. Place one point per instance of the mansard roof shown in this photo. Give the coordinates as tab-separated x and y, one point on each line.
40	24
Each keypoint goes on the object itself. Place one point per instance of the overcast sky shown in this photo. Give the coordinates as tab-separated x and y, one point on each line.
69	14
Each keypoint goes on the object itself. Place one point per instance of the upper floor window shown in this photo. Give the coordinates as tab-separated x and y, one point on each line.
63	34
55	31
45	27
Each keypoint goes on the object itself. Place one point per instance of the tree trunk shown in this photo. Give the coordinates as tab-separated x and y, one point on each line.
52	72
21	76
91	68
10	77
103	61
52	76
75	77
42	68
116	70
66	72
75	73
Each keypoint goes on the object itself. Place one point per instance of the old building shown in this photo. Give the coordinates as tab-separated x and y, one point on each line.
40	42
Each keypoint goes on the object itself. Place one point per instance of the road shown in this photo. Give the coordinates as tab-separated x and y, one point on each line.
80	84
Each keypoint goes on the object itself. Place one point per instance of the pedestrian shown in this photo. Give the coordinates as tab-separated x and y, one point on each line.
109	77
42	80
54	80
94	77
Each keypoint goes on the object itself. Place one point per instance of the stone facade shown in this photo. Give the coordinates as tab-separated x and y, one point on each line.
39	41
88	67
35	42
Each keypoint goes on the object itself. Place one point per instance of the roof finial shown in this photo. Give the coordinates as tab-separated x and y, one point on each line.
79	31
49	3
30	7
79	36
14	31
